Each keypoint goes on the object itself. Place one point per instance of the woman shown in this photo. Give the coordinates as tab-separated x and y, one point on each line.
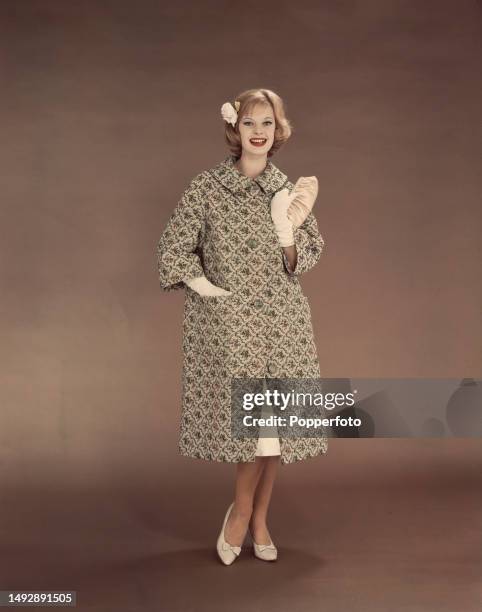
237	242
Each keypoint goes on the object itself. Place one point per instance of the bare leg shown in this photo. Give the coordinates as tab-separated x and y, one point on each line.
262	499
248	475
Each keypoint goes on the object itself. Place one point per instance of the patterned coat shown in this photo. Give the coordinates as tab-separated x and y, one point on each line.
222	228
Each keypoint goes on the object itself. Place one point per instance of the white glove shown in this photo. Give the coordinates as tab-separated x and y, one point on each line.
204	287
280	203
305	190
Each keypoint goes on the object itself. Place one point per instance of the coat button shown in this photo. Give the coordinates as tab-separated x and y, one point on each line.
272	369
257	303
252	243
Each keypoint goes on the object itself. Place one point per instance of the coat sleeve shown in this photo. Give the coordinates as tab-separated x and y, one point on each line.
309	246
178	249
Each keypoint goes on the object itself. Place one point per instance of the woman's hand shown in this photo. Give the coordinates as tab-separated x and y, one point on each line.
280	204
304	192
204	287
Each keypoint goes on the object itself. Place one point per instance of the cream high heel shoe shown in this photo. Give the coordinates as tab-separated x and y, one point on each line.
265	552
227	553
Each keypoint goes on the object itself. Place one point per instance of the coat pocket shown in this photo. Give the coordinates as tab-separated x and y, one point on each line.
209	329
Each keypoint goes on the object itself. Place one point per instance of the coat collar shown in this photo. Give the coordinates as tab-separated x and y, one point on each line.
270	180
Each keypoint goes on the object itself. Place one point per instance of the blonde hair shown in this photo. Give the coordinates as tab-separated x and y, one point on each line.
248	100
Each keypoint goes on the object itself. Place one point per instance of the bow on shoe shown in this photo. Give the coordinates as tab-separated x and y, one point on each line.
236	549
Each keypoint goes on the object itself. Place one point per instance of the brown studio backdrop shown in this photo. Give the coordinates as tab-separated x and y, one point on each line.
108	110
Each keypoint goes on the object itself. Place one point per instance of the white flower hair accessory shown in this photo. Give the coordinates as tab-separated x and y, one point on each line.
229	112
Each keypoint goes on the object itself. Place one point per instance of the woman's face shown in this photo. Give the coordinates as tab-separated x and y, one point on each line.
256	129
